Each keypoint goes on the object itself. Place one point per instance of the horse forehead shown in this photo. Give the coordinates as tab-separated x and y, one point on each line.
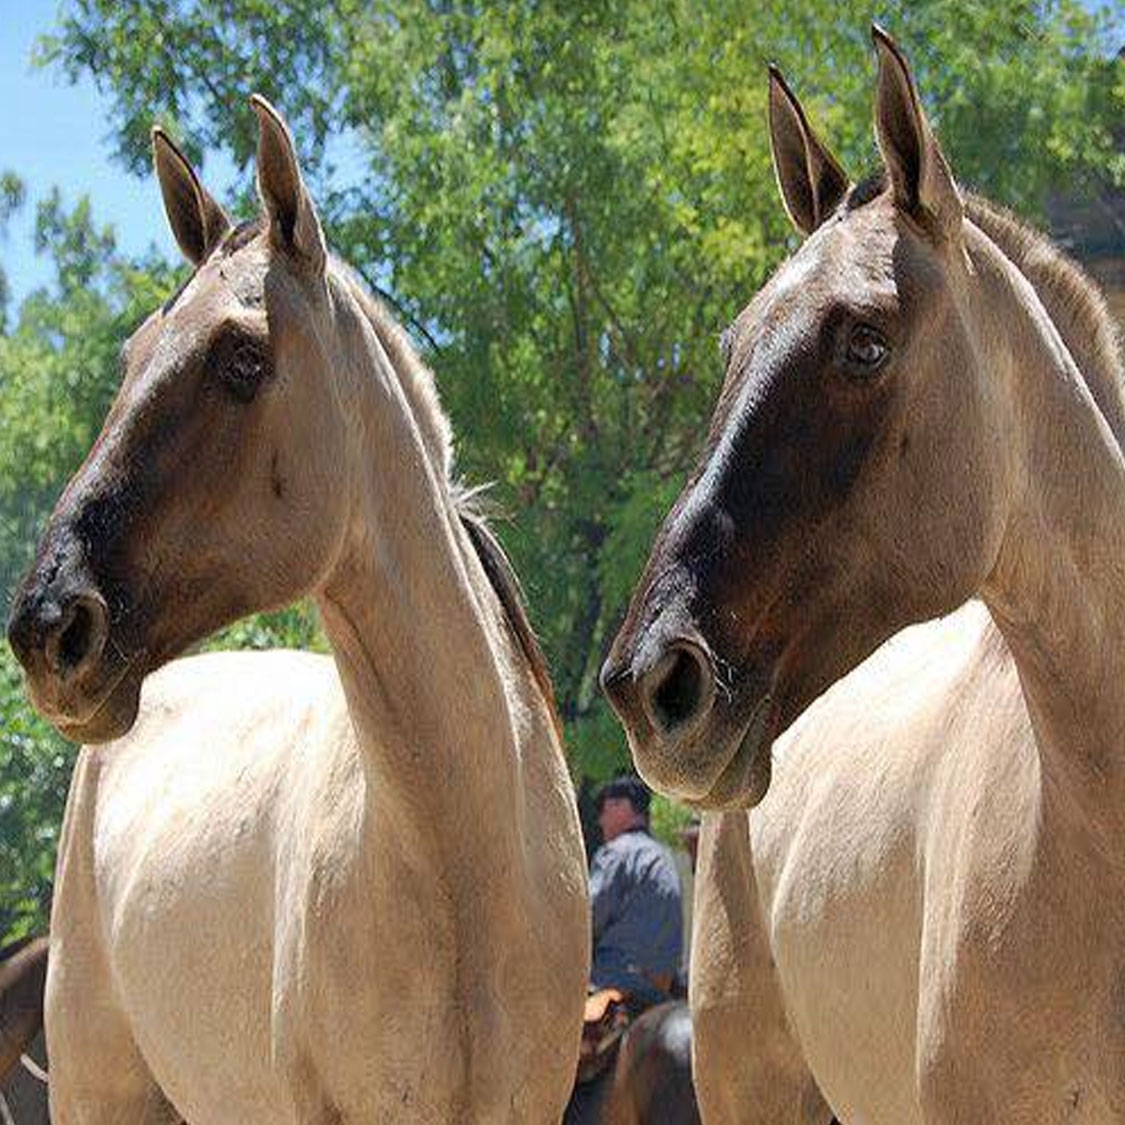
849	261
225	282
860	257
222	288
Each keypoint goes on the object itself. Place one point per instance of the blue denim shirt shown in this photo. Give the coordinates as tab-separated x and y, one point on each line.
637	917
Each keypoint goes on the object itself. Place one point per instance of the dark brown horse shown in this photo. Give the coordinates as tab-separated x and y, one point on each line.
652	1080
24	1092
649	1082
23	972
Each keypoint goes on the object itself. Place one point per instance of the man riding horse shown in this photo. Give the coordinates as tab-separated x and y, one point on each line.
635	900
637	930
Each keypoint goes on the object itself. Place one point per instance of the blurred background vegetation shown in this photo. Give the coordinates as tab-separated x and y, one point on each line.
564	201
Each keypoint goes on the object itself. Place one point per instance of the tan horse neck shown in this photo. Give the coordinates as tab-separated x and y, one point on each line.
419	388
419	636
1057	591
1073	302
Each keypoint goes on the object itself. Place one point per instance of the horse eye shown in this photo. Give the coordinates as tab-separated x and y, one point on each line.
243	371
867	350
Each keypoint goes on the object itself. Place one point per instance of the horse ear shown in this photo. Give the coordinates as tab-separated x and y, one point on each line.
812	182
197	221
923	185
294	225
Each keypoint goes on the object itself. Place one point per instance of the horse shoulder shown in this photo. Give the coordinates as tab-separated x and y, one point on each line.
874	789
182	831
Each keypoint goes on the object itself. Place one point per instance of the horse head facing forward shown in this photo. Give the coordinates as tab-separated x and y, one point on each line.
860	471
220	483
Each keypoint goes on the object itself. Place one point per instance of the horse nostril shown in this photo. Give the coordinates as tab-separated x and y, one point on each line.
75	639
679	689
79	635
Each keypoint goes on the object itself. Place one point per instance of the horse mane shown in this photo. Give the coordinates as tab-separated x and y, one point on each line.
506	585
1072	300
420	388
415	377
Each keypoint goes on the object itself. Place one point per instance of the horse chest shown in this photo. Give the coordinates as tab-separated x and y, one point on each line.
393	1014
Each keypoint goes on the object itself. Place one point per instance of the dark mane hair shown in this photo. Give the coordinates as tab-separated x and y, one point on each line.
418	383
506	585
869	188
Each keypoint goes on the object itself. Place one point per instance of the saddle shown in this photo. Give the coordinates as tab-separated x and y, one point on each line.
605	1021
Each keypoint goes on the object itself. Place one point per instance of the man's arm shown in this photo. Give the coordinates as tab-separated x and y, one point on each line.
605	889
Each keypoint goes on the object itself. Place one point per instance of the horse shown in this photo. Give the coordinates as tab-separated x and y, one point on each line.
23	972
23	1093
648	1080
881	639
652	1078
295	887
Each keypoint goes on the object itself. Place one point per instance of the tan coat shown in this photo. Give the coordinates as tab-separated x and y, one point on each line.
294	888
921	920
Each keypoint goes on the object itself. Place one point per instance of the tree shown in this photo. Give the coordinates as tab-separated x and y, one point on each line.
567	201
12	192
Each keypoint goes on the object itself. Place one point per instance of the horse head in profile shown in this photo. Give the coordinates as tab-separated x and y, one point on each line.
405	822
854	476
920	433
218	485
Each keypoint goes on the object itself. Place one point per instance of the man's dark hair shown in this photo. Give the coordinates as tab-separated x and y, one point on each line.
630	787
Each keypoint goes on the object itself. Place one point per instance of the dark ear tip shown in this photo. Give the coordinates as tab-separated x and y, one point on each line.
885	45
165	149
160	140
779	85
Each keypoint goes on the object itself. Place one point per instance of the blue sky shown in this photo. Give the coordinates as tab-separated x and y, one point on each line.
52	133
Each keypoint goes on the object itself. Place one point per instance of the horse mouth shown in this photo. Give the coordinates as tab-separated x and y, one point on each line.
107	715
745	778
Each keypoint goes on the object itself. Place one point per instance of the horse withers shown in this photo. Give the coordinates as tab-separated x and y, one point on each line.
294	888
922	415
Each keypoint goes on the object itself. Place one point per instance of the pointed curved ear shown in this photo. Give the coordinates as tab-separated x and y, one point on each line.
811	180
294	226
197	221
923	185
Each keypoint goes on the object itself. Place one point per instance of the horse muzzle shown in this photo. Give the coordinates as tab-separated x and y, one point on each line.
685	734
59	631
